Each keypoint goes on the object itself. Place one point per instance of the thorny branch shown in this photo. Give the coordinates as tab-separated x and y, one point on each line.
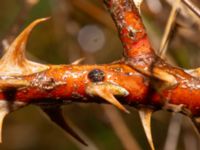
141	79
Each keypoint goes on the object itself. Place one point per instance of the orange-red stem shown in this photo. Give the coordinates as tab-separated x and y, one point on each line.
131	32
63	84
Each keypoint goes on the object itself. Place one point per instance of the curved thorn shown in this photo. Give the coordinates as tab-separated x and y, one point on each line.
17	48
2	116
14	61
145	116
108	96
164	76
3	112
56	115
107	92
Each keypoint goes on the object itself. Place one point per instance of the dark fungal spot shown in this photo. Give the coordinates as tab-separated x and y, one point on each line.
96	75
131	34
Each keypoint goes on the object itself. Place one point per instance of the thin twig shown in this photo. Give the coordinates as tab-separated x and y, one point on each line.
94	12
168	29
192	7
173	132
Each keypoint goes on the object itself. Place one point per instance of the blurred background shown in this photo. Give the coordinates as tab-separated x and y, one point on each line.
83	28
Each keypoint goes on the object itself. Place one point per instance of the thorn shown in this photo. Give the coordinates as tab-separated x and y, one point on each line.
164	76
78	61
145	116
56	115
107	92
108	96
160	74
3	112
14	61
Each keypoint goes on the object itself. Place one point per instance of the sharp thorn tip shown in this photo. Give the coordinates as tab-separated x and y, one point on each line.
145	116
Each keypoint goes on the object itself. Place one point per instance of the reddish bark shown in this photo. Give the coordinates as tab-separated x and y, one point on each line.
149	80
63	84
140	56
69	83
142	79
